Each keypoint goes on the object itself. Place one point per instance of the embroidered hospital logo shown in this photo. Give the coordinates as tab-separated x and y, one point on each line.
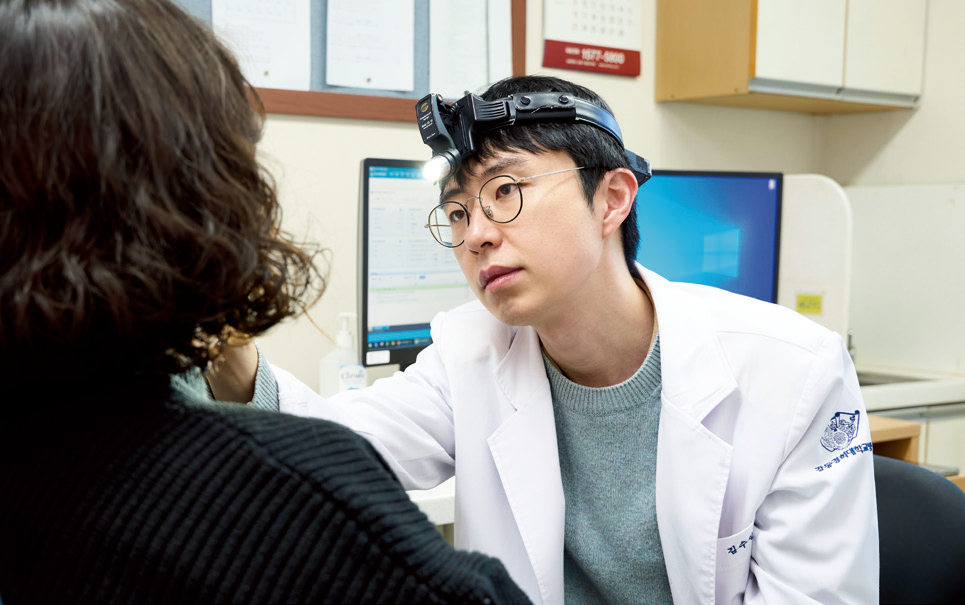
840	431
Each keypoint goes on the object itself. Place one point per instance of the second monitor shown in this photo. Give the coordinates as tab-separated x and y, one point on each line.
720	229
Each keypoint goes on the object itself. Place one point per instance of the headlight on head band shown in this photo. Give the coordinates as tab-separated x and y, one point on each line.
453	130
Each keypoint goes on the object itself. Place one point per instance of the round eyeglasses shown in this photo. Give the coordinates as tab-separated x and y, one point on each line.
501	201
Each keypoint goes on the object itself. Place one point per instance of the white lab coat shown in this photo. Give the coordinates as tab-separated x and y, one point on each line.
750	505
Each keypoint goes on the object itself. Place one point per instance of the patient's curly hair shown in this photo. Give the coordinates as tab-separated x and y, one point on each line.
137	229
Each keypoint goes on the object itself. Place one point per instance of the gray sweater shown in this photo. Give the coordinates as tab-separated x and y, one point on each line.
608	452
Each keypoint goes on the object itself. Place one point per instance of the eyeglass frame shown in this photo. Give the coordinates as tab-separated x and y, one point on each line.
465	206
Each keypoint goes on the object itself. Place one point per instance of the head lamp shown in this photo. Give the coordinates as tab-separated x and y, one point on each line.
453	130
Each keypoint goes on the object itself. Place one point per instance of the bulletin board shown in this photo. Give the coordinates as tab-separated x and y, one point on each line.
389	105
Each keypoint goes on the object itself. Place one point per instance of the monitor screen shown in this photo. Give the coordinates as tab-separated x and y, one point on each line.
721	229
405	277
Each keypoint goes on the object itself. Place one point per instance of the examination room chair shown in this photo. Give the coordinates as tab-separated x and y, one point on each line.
921	528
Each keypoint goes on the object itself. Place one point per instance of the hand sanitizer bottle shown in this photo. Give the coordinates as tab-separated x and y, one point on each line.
340	370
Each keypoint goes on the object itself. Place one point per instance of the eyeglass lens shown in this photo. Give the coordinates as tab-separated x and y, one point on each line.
500	199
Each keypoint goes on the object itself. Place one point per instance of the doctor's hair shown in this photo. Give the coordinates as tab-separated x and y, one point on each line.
586	145
138	232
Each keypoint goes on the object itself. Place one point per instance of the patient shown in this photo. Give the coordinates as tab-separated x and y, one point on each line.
137	233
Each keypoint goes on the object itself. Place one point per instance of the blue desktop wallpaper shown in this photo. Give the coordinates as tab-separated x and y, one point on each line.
718	229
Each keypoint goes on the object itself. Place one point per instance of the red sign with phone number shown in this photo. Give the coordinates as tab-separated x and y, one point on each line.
587	57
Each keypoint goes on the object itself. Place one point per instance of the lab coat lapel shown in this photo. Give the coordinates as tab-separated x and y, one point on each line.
693	464
525	452
694	372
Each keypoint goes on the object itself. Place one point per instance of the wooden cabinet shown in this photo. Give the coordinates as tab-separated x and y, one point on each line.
898	438
800	42
895	438
820	56
885	46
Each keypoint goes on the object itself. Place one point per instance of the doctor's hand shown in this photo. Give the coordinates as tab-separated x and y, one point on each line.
232	375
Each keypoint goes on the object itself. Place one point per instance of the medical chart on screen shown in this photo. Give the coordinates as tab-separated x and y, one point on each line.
411	277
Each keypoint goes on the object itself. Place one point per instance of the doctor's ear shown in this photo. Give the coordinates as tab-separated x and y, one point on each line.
618	192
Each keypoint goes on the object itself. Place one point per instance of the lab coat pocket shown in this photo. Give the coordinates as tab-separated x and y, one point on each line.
735	550
733	566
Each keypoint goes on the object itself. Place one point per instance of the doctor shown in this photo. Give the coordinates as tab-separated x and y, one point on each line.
617	437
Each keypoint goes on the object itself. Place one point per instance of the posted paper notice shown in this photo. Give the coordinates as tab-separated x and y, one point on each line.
272	40
603	36
464	54
370	44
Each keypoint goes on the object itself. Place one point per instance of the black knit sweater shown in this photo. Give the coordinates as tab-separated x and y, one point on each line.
137	494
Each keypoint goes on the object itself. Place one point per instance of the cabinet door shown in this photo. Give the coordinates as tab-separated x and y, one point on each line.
885	47
801	41
945	443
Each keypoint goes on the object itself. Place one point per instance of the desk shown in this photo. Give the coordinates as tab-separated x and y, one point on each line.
437	503
921	391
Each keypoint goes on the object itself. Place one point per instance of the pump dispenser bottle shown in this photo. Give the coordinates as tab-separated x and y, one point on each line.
340	370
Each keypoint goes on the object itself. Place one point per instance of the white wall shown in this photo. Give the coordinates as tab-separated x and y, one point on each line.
908	282
317	160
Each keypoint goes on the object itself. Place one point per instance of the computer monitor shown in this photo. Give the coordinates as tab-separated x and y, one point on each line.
721	229
405	277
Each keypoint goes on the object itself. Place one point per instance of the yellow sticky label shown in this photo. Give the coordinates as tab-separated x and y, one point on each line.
809	304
